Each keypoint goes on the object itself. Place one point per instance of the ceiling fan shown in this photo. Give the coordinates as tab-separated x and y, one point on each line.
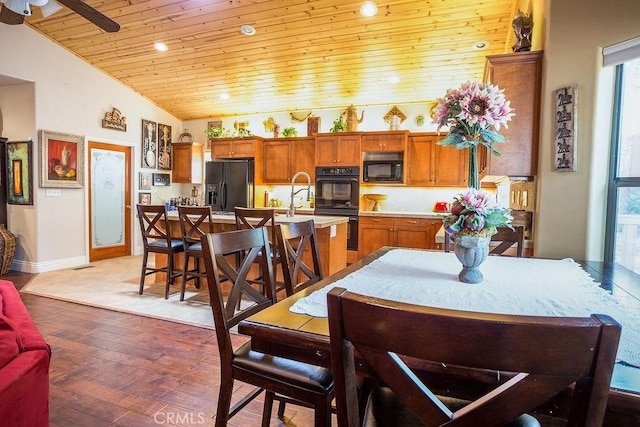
14	11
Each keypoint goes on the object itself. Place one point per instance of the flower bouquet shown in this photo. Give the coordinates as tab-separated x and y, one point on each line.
474	212
473	220
474	114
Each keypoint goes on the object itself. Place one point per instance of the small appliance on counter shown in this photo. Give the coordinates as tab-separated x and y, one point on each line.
376	199
441	207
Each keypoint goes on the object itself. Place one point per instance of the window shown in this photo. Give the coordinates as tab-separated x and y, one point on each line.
623	206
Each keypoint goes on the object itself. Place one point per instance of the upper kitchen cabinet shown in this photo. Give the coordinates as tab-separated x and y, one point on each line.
520	75
283	157
188	162
435	165
384	141
337	149
233	148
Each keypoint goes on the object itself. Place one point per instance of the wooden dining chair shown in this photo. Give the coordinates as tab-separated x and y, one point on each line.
157	239
296	241
260	217
195	221
506	236
532	359
282	379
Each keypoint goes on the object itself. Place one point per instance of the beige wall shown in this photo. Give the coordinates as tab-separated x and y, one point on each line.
66	95
571	205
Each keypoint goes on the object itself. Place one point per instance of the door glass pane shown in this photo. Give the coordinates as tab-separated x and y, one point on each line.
628	228
107	201
629	158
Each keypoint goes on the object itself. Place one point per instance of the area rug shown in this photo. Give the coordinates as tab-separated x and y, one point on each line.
114	284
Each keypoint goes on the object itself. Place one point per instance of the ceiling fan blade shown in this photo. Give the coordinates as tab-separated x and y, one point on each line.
8	16
92	15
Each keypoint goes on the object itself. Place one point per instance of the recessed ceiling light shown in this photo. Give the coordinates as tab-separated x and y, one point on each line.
247	30
480	45
224	96
161	46
368	8
393	80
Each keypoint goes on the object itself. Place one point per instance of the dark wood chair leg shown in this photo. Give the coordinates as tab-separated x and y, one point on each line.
268	405
144	271
169	275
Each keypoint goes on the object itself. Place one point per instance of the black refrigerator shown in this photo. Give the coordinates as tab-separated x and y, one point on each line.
229	183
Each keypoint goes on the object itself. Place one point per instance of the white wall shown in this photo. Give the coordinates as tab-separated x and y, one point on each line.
571	205
69	96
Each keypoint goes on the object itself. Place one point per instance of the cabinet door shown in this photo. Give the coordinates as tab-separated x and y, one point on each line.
221	149
347	150
450	166
181	163
413	233
243	148
384	142
519	74
374	233
302	156
277	161
324	150
421	150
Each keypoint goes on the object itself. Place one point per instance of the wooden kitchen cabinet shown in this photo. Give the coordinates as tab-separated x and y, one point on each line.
520	75
384	141
337	149
283	157
233	148
435	165
188	162
375	232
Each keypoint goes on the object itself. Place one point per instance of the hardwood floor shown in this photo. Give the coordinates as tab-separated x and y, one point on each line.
111	368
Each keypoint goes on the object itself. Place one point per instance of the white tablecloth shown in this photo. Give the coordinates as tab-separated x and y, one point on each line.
511	286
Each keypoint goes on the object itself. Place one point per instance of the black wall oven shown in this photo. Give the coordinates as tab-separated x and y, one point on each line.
338	194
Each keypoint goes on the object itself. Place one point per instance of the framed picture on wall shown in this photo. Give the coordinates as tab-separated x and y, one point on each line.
61	160
164	146
149	144
19	173
144	198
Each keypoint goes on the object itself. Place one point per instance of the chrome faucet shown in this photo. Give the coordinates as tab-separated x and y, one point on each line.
292	208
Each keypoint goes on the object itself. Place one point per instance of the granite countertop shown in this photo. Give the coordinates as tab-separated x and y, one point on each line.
320	221
417	214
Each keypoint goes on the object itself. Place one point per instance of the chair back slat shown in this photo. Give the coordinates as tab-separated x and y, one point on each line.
255	218
507	238
295	242
195	221
241	300
390	337
153	222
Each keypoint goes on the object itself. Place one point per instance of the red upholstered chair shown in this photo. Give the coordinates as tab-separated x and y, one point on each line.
532	359
24	364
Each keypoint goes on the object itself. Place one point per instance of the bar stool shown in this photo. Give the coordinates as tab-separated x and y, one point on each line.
247	218
195	221
156	239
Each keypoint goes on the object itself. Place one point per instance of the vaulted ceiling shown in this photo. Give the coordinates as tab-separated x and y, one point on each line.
305	54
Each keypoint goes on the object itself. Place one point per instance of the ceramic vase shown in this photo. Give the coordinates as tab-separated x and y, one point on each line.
7	249
471	251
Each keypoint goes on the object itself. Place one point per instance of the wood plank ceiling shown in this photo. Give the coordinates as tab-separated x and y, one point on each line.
305	55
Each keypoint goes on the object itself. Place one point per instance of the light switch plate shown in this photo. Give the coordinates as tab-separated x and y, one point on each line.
52	192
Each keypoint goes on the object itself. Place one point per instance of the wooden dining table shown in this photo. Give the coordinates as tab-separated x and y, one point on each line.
286	330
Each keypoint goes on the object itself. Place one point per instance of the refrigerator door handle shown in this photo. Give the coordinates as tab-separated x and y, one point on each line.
224	197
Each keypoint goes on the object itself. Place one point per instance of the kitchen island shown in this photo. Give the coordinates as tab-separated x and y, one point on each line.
331	232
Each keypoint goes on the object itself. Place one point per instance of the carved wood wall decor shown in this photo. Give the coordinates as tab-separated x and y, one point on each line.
114	120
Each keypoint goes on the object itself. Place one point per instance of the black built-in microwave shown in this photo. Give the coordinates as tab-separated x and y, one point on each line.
382	171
